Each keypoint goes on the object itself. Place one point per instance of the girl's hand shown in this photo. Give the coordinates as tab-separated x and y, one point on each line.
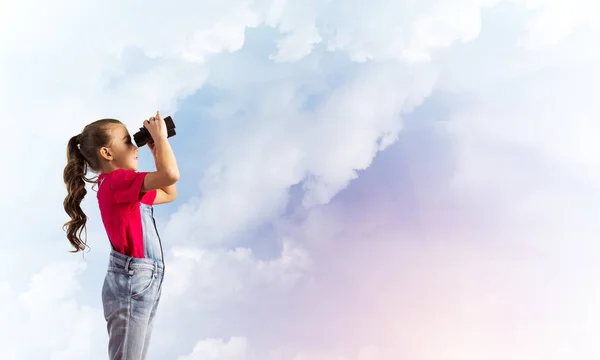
156	126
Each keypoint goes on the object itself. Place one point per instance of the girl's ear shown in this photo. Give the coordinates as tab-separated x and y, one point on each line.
106	154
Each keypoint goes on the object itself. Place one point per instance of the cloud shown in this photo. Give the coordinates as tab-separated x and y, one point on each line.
462	280
554	21
211	277
216	349
364	353
237	348
48	311
344	123
248	184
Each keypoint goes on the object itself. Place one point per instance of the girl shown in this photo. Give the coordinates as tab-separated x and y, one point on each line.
133	282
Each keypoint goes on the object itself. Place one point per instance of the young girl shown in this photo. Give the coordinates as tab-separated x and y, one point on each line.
133	282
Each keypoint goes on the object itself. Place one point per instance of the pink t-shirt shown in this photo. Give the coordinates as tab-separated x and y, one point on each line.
119	198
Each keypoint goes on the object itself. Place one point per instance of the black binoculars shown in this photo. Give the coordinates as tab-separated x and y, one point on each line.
143	137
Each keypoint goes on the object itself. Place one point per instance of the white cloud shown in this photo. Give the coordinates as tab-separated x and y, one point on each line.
209	278
248	184
217	349
554	20
297	21
45	320
370	352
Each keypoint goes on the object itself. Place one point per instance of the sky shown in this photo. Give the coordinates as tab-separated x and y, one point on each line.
381	180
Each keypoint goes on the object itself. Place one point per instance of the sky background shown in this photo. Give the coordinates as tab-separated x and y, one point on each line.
381	180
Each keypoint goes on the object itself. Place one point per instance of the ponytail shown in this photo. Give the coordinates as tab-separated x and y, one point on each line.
74	178
82	155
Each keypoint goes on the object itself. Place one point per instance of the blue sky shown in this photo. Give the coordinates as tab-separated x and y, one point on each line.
360	181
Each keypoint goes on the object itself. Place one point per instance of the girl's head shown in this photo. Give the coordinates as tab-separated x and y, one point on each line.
102	146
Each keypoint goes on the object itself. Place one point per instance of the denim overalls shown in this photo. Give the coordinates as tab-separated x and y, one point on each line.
131	292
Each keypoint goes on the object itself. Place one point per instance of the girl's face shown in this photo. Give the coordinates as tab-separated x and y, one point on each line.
124	152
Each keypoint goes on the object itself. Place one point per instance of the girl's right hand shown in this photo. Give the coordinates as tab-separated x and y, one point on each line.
156	127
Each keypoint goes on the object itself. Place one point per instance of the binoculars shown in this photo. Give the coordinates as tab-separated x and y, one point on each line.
143	136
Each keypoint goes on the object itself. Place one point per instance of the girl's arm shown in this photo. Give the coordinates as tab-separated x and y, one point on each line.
166	194
167	172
